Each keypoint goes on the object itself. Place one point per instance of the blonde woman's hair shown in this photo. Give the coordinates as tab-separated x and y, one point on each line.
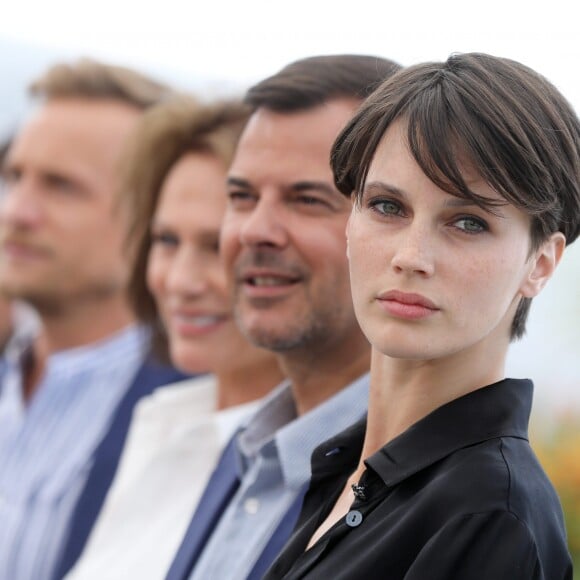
165	134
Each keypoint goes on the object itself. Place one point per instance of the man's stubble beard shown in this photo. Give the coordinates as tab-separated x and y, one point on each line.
51	302
315	322
311	329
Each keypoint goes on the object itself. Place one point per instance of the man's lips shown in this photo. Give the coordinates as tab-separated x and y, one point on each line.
267	278
262	281
268	284
407	305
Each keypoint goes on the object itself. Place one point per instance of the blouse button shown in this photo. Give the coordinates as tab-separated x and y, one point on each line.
354	518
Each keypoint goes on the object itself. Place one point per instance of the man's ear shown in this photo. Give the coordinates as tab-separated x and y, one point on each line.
544	262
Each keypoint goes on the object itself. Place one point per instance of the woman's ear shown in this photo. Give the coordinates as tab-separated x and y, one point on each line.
346	233
544	262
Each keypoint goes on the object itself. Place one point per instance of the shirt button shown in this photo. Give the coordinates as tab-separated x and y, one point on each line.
354	518
252	505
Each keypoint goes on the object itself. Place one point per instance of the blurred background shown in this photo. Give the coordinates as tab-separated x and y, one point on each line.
220	48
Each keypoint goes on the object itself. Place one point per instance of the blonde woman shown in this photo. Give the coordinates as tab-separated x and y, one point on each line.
175	178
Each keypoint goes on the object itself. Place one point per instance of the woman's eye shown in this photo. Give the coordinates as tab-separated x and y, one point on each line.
471	225
387	207
164	239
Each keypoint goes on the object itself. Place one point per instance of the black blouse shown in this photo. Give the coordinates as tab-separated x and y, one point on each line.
460	495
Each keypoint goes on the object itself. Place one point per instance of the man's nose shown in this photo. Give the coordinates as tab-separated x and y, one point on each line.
20	204
265	225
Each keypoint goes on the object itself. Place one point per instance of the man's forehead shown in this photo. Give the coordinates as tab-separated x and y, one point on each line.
85	117
330	116
291	145
78	129
255	169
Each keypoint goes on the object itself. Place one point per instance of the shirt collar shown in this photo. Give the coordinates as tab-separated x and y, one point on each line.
296	439
339	454
278	409
128	344
26	325
127	340
498	410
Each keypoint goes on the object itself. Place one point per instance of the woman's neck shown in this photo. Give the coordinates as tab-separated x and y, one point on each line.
404	391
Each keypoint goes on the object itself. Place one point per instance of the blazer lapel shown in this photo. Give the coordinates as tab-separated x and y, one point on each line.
221	487
106	459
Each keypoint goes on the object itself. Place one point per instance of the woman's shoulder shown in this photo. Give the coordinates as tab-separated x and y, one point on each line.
500	474
198	392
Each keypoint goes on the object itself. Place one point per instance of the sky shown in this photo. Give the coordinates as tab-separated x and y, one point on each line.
223	46
243	41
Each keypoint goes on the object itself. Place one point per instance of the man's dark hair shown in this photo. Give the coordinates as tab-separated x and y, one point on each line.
312	81
511	124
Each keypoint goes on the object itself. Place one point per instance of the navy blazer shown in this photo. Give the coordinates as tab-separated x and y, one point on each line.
151	375
219	491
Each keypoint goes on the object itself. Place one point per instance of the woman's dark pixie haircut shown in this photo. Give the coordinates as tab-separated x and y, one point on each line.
505	120
312	81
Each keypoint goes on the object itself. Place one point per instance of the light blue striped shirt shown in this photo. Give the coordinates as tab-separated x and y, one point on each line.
46	448
274	453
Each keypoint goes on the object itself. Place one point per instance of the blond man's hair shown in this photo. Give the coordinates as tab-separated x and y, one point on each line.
90	79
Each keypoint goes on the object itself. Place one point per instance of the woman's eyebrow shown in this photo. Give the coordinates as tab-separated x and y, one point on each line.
493	208
380	187
459	202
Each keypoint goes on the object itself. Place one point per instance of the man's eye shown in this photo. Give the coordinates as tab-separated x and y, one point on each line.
60	183
238	196
471	225
11	176
309	200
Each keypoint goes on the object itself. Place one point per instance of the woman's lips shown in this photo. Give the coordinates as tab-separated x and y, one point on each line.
196	325
407	305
